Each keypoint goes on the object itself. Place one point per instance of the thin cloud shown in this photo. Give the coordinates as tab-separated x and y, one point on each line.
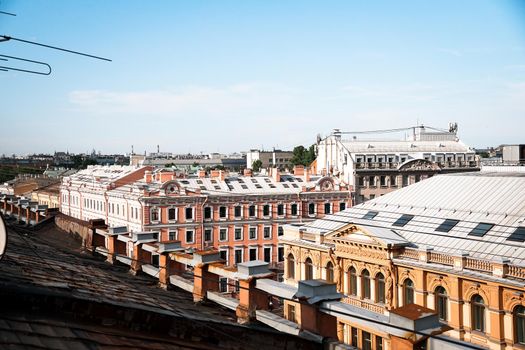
449	51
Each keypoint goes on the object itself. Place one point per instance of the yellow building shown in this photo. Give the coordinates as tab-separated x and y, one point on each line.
48	195
451	243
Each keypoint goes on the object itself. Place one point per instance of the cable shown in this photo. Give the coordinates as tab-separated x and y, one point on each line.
7	13
6	38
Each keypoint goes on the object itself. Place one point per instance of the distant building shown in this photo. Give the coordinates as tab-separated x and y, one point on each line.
270	159
513	154
452	245
241	216
190	162
376	167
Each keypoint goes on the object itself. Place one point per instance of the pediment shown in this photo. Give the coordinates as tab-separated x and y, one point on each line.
367	235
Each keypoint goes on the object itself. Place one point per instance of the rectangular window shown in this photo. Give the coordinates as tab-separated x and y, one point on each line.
238	233
370	215
223	254
223	234
172	214
405	180
361	181
251	211
253	254
291	313
393	180
190	236
208	235
207	213
223	285
327	208
189	213
379	343
481	229
238	211
280	209
447	225
518	235
342	206
371	181
294	210
367	341
403	220
280	254
280	231
267	232
311	208
266	210
222	212
172	235
253	233
238	256
355	339
382	180
267	254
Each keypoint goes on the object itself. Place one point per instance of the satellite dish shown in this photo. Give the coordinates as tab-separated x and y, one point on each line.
3	236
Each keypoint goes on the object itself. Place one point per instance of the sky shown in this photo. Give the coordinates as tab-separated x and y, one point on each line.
225	76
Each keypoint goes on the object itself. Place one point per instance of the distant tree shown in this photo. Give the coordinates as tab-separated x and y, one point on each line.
303	156
257	165
484	155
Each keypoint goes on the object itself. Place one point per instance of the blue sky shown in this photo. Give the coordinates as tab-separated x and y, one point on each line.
228	76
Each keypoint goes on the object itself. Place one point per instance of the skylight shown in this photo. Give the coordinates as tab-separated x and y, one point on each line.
481	229
403	220
370	215
518	235
447	225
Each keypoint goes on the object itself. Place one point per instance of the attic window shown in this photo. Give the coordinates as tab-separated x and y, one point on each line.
370	215
184	182
481	229
518	235
244	187
403	220
286	186
447	225
295	186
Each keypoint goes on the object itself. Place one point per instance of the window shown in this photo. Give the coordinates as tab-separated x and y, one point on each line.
393	181
280	209
365	280
342	206
382	180
172	235
280	254
223	234
253	253
447	225
481	229
267	254
223	254
379	343
370	215
291	312
327	208
291	266
380	288
207	213
222	212
189	236
293	209
361	181
238	256
519	324
172	214
371	181
518	235
208	237
266	210
280	231
405	180
253	233
251	211
308	269
311	208
352	281
189	213
408	292
403	220
238	211
329	272
355	338
238	233
367	341
478	313
441	302
154	214
223	285
267	232
418	178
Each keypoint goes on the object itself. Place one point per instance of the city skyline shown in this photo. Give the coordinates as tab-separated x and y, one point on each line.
187	75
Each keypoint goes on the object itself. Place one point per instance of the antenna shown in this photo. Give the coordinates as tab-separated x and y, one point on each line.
7	68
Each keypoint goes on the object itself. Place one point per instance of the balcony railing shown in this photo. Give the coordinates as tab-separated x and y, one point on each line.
394	165
364	304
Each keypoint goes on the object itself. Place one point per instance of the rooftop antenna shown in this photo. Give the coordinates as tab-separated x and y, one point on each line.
5	58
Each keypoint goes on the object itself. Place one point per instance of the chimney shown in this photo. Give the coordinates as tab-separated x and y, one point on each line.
298	170
148	176
276	174
306	174
247	172
201	173
222	175
214	173
166	176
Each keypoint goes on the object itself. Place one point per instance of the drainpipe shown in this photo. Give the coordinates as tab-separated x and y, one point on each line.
202	221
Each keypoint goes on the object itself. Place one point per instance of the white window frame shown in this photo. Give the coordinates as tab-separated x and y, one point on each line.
234	233
271	252
331	208
192	235
223	218
315	209
211	235
297	206
241	249
192	213
264	231
204	210
227	254
250	232
277	210
242	212
151	214
269	211
175	233
168	213
256	208
226	238
256	248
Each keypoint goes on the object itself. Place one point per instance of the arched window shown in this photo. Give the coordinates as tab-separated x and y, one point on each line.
308	269
329	272
365	280
291	266
441	303
408	292
380	288
478	313
352	281
519	324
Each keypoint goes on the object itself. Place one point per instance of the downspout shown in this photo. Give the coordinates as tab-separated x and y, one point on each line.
202	221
